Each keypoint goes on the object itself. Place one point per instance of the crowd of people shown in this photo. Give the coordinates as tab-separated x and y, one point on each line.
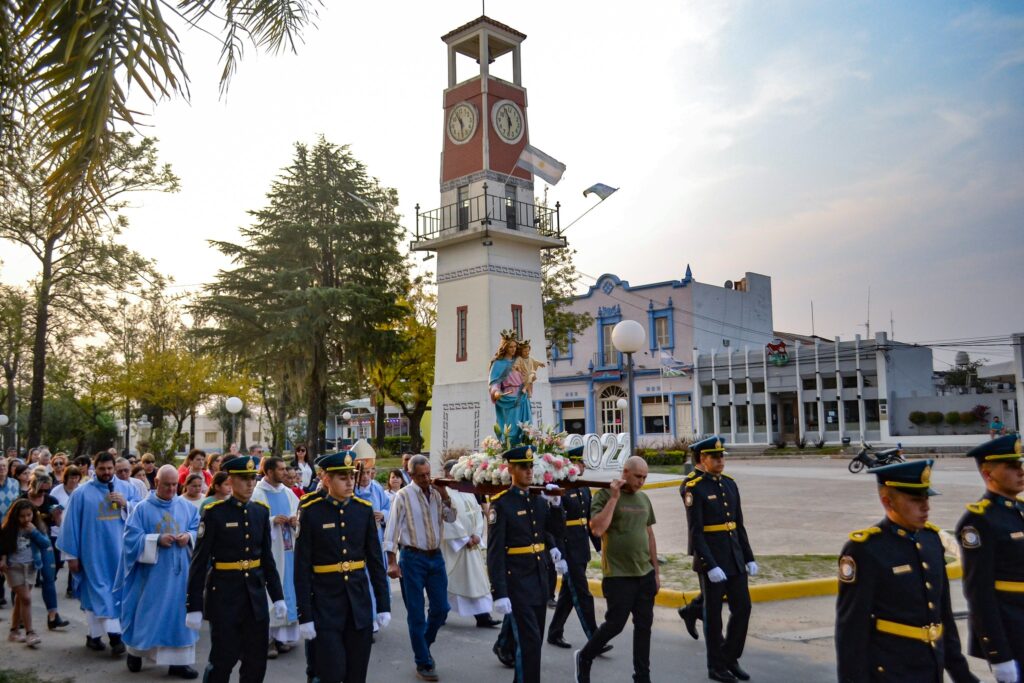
288	553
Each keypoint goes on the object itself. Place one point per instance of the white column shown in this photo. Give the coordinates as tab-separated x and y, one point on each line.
697	407
818	385
767	398
517	66
800	423
839	396
715	415
750	392
452	74
732	402
860	390
882	382
1018	376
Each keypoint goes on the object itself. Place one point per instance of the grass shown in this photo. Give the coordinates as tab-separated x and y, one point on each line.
677	570
10	676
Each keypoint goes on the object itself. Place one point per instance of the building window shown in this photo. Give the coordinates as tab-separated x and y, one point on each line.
851	412
849	381
563	352
510	207
608	355
660	327
655	414
462	205
661	332
517	320
211	437
574	417
461	330
611	416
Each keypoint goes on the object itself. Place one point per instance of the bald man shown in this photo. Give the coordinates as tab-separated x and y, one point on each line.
622	515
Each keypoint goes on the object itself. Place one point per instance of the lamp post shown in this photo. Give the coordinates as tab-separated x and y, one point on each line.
347	417
119	425
628	337
234	406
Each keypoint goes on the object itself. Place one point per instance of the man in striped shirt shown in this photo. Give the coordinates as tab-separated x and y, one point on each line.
418	513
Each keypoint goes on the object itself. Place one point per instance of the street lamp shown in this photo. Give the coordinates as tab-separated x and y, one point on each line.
234	406
628	337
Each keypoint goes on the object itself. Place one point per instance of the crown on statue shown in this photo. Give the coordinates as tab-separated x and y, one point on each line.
508	335
524	342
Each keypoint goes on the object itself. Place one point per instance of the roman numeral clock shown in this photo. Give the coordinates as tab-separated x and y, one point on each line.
488	234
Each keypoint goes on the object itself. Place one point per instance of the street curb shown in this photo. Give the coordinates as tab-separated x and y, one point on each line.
766	592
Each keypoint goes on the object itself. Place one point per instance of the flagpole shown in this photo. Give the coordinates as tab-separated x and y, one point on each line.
582	215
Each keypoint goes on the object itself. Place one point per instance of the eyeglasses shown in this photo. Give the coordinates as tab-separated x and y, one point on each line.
300	450
44	490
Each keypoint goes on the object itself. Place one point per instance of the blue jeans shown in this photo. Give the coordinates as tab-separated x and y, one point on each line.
424	573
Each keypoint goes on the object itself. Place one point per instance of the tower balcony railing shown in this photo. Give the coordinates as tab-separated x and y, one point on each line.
488	211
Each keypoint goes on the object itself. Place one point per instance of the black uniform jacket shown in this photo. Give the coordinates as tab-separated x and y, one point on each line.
576	542
334	532
682	494
887	573
517	519
233	531
991	534
714	501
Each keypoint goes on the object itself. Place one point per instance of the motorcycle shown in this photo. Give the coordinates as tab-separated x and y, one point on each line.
869	460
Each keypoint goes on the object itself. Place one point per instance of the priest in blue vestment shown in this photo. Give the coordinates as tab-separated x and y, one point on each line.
153	578
91	538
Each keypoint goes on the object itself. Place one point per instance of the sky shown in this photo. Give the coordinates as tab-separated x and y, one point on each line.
837	147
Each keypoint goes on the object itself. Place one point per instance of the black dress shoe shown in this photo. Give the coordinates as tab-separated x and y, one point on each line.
56	622
134	663
117	647
722	675
559	641
182	671
689	618
739	673
606	648
582	668
487	622
95	644
502	657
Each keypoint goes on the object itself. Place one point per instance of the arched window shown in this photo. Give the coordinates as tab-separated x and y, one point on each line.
611	416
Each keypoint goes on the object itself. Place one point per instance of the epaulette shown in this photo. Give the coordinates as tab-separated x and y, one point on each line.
691	475
934	527
979	507
310	502
318	492
213	504
693	482
363	501
727	476
862	535
498	495
261	503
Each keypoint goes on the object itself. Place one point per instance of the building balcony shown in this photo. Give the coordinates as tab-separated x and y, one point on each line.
489	214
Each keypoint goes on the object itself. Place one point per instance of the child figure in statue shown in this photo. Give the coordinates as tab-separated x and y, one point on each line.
527	366
511	403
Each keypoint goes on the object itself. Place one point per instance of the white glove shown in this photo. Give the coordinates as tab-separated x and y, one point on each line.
280	609
752	568
307	631
503	606
561	566
1006	672
716	575
194	620
554	500
556	554
383	619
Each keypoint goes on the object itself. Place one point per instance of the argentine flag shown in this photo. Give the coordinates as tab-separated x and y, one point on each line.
540	164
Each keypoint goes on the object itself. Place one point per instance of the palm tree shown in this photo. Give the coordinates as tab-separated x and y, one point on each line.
66	68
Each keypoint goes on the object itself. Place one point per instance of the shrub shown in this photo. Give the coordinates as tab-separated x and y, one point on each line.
397	444
980	412
953	418
665	457
779	442
917	418
802	443
935	418
968	417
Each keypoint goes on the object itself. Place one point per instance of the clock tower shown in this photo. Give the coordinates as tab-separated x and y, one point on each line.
488	235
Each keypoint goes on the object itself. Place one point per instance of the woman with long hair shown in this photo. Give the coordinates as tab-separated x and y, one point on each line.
193	491
302	466
220	489
23	549
21	474
195	463
59	465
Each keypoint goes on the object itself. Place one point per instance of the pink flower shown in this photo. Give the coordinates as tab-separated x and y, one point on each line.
547	458
548	478
558	464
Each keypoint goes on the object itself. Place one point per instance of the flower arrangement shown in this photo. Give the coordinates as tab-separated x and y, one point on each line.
488	467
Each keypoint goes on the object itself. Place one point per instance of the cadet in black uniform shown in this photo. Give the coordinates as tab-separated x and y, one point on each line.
722	559
575	591
516	526
893	615
337	541
309	648
231	574
991	534
693	611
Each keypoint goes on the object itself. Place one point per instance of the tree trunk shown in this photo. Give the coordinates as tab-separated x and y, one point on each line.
415	417
379	426
192	428
11	430
35	410
280	427
242	447
313	417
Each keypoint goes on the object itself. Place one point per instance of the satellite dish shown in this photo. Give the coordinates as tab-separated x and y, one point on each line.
728	284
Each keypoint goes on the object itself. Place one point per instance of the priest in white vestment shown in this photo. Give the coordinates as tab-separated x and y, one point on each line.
465	558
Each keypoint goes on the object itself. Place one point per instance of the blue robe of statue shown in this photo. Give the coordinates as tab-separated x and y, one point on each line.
153	595
512	408
93	532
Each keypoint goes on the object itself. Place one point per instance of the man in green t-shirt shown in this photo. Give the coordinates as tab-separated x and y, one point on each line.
623	517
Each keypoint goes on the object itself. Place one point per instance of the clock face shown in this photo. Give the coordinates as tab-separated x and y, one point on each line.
461	123
508	121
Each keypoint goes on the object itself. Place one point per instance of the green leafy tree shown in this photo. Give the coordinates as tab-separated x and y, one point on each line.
15	333
79	256
73	64
316	282
559	278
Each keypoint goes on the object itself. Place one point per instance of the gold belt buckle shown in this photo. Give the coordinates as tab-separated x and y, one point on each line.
538	547
244	564
931	632
344	566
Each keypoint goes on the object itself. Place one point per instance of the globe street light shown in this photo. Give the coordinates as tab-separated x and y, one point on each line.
628	337
234	406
